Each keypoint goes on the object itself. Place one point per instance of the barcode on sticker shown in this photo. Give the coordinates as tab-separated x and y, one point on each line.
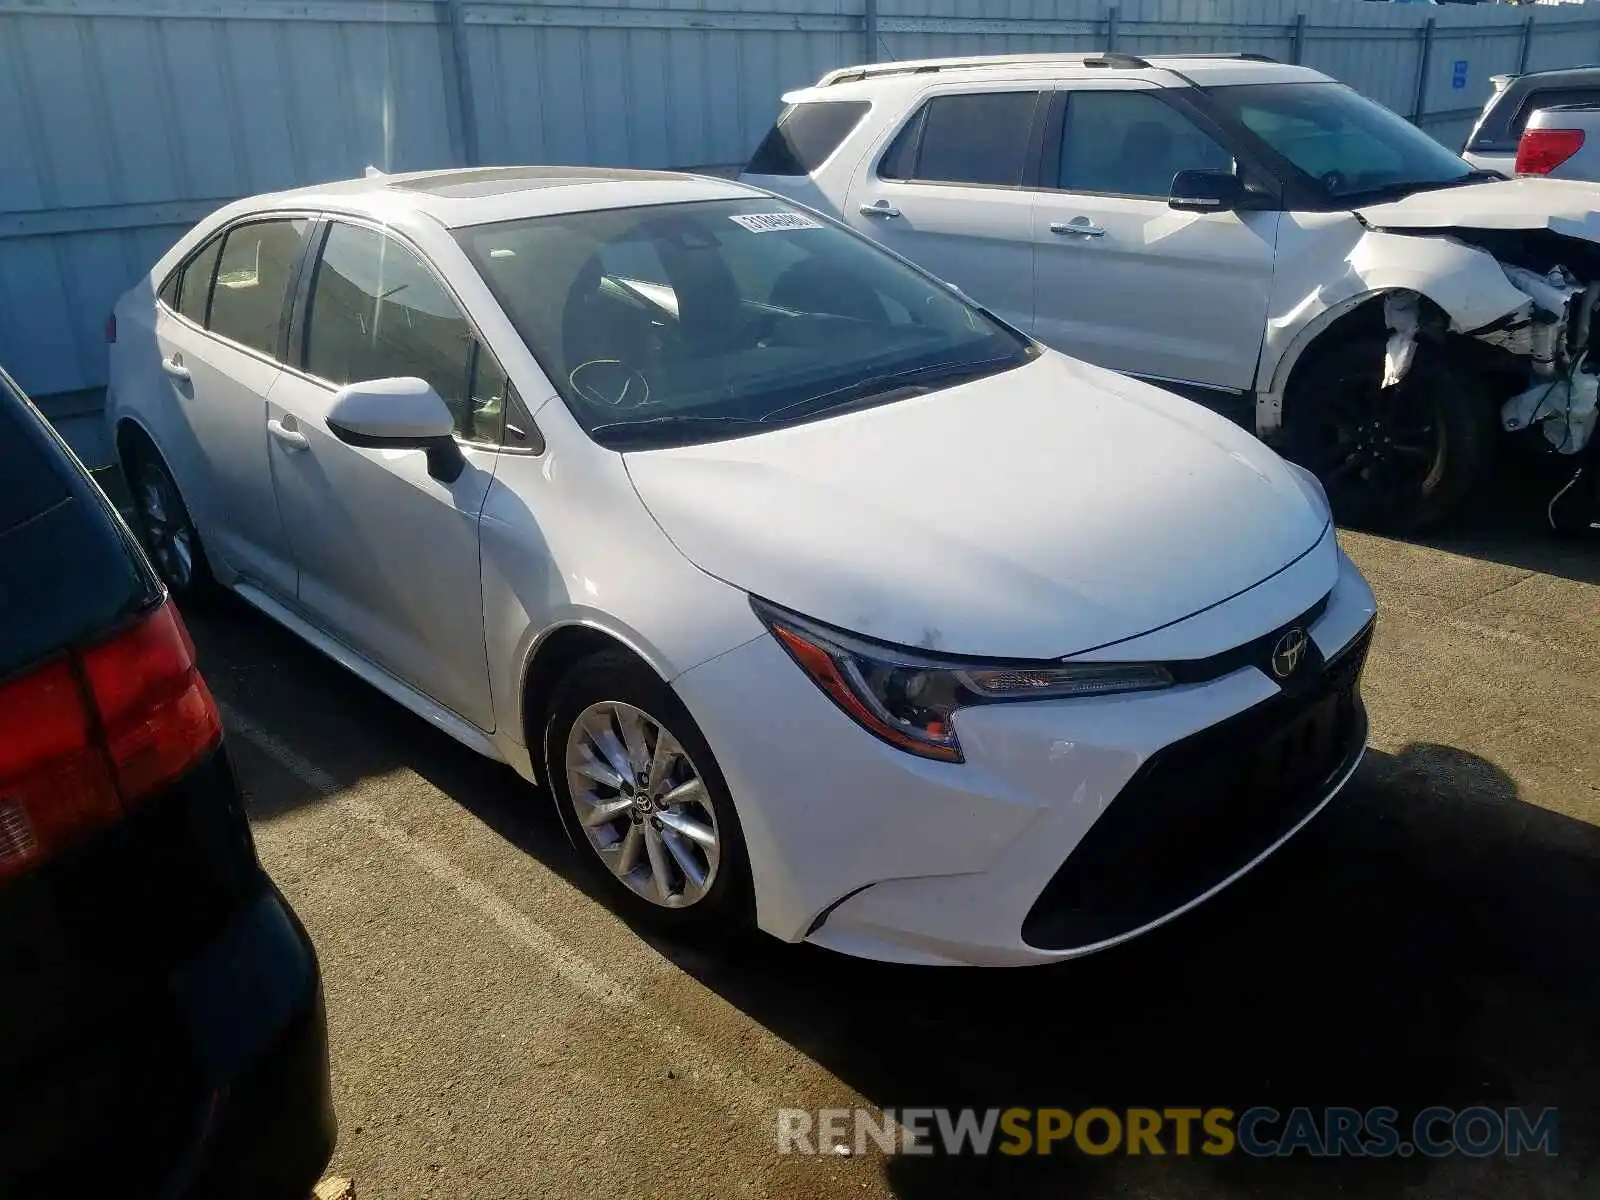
775	222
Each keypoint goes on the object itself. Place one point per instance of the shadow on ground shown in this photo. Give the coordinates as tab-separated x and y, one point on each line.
1505	522
1432	939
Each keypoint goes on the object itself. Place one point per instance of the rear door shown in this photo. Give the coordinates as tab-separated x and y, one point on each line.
387	554
947	191
1127	282
218	357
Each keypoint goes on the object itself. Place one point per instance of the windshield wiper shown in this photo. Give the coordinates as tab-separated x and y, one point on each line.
876	385
642	424
1398	191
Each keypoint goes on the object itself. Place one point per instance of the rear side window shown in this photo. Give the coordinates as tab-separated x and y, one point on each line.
378	313
805	135
980	138
194	289
252	278
1551	98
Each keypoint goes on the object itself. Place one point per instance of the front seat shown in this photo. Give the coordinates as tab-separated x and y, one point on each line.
813	286
1147	156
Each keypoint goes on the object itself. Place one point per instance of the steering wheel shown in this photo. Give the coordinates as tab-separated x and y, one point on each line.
610	383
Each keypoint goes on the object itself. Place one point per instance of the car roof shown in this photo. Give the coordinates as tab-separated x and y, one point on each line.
483	195
1202	69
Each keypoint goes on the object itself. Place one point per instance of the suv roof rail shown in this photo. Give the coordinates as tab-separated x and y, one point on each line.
1111	59
1134	61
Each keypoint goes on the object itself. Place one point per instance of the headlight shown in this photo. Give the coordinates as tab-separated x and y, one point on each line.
907	698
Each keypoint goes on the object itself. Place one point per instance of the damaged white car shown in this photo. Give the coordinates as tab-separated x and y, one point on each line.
1253	235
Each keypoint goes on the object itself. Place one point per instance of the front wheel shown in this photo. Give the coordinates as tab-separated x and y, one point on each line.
644	798
1393	459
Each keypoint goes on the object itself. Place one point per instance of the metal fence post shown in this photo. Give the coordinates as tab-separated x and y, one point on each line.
1111	29
1297	51
466	106
1527	44
869	25
1423	64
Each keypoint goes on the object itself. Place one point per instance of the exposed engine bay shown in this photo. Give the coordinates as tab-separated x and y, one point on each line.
1548	335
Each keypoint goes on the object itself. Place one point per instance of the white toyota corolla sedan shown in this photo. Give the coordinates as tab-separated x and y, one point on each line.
821	598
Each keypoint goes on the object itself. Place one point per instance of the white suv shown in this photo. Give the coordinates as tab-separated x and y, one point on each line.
1254	235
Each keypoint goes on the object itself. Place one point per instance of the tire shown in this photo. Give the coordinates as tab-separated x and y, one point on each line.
645	856
1393	460
167	532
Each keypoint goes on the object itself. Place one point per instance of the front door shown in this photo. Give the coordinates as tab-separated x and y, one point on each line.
387	554
947	194
1127	282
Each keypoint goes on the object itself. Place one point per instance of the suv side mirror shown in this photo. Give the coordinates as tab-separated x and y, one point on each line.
1206	191
398	414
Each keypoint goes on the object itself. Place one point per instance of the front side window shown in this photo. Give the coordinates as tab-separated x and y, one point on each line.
194	289
376	312
685	322
980	138
1341	143
805	136
251	281
1130	143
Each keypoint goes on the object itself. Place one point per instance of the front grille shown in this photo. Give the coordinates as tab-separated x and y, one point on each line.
1201	809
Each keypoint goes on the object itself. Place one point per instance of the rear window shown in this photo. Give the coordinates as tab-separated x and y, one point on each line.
67	568
1551	98
805	136
976	139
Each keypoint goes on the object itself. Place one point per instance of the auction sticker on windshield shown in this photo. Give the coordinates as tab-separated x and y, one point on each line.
774	222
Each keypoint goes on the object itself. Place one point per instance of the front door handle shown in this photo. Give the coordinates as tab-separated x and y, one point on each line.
293	440
174	367
879	208
1077	227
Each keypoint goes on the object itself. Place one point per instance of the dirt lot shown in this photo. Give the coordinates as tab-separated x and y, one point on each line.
1432	939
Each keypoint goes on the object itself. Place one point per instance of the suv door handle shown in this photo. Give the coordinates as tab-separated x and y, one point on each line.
293	440
174	366
879	208
1078	226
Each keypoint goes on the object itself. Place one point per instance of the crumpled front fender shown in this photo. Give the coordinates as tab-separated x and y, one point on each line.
1466	283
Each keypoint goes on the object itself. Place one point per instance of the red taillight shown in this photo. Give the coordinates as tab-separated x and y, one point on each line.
89	735
1543	150
111	329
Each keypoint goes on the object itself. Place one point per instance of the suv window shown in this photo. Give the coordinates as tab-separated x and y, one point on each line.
252	277
1550	98
377	312
1129	143
194	290
977	138
804	136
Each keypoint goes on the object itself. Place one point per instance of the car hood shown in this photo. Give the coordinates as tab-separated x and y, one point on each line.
1040	512
1560	205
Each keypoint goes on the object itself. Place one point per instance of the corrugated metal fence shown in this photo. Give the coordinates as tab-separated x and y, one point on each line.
123	121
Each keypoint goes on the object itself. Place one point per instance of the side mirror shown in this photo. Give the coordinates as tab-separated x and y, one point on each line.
1206	191
398	414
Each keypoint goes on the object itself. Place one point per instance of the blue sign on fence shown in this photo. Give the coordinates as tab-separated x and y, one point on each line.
1458	76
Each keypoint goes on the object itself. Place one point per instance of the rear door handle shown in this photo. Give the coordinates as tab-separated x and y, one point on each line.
174	366
293	440
1077	227
879	208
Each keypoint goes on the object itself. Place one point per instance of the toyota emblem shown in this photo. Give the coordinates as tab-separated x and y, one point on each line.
1288	652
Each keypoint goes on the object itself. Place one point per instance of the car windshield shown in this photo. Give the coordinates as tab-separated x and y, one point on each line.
688	322
1347	145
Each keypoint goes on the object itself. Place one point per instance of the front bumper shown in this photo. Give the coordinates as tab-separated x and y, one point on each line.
867	850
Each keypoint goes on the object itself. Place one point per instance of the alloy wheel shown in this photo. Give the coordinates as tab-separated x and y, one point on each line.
168	532
642	804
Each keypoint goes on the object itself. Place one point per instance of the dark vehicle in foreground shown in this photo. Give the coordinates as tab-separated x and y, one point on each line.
161	1015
